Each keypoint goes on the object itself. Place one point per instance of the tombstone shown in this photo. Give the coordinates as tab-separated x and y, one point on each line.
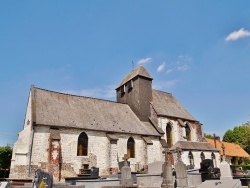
126	179
206	169
225	170
92	173
181	171
167	173
42	179
121	164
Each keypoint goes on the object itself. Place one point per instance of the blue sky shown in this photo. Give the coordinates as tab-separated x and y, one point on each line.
197	50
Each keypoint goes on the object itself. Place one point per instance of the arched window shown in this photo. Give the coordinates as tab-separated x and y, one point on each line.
82	146
169	135
191	158
188	132
131	148
202	156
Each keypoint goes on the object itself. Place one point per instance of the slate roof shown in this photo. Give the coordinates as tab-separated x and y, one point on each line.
165	104
139	71
187	145
64	110
231	149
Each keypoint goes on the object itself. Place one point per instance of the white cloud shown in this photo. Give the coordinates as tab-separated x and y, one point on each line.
144	61
107	92
182	68
183	62
169	70
184	59
161	67
238	34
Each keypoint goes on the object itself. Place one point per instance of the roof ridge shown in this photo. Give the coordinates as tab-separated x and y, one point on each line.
163	91
139	71
81	96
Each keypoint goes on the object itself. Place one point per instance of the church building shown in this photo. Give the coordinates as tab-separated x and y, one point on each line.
64	133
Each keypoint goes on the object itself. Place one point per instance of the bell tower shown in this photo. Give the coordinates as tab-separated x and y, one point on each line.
136	91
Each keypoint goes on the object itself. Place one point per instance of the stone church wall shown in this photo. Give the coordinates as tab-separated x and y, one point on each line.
99	152
21	149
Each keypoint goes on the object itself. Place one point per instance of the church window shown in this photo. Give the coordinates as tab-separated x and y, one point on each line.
202	156
191	158
169	135
188	133
131	148
82	146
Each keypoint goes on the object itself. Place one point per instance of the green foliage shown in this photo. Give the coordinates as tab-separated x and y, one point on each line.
209	136
239	135
5	157
244	167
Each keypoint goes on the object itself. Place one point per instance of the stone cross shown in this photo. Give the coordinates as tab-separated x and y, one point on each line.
167	174
181	171
225	170
126	179
125	158
223	152
167	153
178	151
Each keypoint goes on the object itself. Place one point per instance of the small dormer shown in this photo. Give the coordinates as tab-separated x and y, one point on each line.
136	91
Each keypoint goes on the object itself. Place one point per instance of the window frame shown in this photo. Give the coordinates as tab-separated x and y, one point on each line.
131	147
82	144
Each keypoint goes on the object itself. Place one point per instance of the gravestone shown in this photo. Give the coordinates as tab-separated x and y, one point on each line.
225	170
181	171
42	179
167	173
126	179
206	169
121	164
226	180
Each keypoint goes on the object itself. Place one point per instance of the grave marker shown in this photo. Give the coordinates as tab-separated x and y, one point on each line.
43	179
167	173
181	171
126	179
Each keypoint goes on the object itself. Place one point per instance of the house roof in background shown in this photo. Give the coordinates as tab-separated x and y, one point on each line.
231	149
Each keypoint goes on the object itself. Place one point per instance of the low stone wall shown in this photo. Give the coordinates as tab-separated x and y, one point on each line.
194	179
155	180
149	180
99	183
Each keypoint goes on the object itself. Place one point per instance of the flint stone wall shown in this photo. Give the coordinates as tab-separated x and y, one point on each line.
99	151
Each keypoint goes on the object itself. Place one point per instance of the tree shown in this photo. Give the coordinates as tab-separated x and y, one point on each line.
239	135
209	136
5	157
